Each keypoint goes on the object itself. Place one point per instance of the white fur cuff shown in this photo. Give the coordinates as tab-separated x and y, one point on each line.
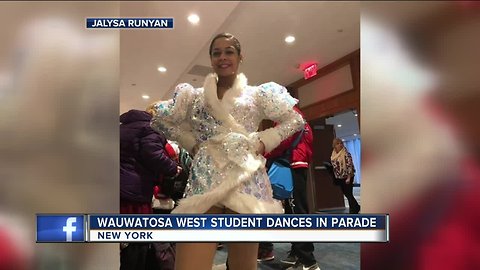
186	140
270	138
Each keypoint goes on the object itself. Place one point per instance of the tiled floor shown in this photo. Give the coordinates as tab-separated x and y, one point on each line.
330	256
344	256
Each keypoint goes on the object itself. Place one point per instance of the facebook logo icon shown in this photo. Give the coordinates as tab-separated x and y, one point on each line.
69	229
60	228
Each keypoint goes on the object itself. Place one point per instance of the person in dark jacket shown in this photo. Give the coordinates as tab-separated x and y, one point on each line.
301	254
143	162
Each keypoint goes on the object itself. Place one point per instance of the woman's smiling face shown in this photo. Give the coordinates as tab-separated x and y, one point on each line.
224	57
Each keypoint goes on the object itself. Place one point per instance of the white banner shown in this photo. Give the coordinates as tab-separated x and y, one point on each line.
368	235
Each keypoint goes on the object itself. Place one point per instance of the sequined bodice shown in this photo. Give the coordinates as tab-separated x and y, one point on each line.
205	126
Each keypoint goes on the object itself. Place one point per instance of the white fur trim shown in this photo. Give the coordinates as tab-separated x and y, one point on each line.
186	139
220	109
247	204
200	203
165	204
235	201
299	163
270	138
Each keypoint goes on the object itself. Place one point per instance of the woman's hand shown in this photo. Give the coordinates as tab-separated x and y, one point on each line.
261	148
179	170
348	180
195	149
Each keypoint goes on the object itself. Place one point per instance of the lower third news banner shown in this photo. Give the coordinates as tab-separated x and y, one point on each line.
212	228
238	228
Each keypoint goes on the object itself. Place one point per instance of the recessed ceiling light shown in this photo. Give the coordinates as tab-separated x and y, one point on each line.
162	69
145	96
355	135
339	125
290	39
193	18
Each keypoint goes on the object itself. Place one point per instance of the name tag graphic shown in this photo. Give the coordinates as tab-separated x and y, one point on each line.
123	23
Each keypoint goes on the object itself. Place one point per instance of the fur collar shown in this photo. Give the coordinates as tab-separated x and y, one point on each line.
340	158
219	109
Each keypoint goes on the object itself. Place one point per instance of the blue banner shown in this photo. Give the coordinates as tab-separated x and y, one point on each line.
122	23
60	228
211	228
237	222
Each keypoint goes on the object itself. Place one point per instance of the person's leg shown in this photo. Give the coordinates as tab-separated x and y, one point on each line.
265	251
265	246
345	192
352	202
291	258
197	255
242	256
303	251
300	191
163	256
344	187
152	263
134	256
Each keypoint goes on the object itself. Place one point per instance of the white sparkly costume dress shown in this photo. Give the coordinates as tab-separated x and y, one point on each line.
226	171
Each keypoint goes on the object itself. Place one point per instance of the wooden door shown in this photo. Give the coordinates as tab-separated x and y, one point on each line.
323	195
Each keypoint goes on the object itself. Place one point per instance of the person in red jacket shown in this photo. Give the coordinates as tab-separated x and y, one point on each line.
300	254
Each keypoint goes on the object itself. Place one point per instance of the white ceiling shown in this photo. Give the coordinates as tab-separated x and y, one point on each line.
349	128
261	28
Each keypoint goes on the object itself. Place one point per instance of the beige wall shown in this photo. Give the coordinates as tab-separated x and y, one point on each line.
330	85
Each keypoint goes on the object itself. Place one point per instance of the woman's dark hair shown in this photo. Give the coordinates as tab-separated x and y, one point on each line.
236	43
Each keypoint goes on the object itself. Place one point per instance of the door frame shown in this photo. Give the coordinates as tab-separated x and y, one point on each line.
349	100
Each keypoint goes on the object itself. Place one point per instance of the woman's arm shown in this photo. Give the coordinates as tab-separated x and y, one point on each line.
170	117
154	156
350	167
281	148
276	104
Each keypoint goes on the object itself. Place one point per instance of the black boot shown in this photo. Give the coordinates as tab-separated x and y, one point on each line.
355	209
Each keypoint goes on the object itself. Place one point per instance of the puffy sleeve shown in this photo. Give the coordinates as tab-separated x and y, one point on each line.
275	103
170	116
